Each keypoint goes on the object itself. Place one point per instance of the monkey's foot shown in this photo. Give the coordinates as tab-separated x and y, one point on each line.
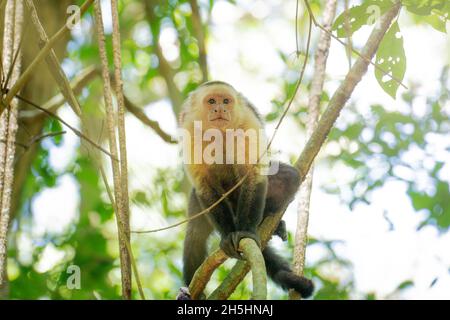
184	294
281	231
230	243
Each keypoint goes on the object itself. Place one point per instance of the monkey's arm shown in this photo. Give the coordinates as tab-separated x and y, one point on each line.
221	216
249	214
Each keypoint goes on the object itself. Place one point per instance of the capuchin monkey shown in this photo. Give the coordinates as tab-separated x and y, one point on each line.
217	105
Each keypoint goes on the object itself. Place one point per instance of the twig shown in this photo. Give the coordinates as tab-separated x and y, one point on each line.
313	115
317	139
297	87
344	91
200	36
121	230
164	67
74	130
41	55
347	28
125	212
110	116
360	55
232	282
195	216
140	115
286	110
52	61
80	82
37	138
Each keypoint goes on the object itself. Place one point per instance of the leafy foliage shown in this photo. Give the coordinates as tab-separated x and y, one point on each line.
391	58
383	139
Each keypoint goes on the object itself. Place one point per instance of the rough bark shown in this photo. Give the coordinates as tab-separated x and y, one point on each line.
321	56
111	117
8	128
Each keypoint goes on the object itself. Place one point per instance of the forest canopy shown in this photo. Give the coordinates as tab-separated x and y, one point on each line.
354	92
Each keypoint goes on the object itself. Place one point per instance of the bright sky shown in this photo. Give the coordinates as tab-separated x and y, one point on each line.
381	258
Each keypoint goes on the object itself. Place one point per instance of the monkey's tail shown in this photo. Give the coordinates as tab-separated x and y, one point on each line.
279	271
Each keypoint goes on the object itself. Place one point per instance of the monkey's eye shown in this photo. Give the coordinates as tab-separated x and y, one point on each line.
226	101
211	101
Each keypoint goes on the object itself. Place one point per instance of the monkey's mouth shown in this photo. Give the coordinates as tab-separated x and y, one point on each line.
219	119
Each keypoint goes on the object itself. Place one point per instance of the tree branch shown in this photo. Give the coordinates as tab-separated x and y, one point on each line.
203	274
78	84
348	47
23	79
8	128
313	115
111	116
125	212
317	139
164	67
73	129
200	36
344	91
52	61
140	115
254	257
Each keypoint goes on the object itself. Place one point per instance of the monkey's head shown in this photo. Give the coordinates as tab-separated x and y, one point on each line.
216	104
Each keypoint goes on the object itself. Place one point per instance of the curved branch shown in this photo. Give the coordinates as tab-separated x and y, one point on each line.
317	139
254	261
254	257
204	273
140	115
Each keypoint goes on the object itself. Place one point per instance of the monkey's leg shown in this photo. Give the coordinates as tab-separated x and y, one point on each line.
281	191
195	242
222	217
279	271
249	214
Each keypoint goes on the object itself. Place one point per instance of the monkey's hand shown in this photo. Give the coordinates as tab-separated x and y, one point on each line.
281	231
230	243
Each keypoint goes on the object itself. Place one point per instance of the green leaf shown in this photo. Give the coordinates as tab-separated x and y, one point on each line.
423	7
353	19
436	21
54	125
391	58
405	284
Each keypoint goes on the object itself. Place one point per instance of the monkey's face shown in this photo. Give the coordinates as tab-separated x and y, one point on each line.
219	106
